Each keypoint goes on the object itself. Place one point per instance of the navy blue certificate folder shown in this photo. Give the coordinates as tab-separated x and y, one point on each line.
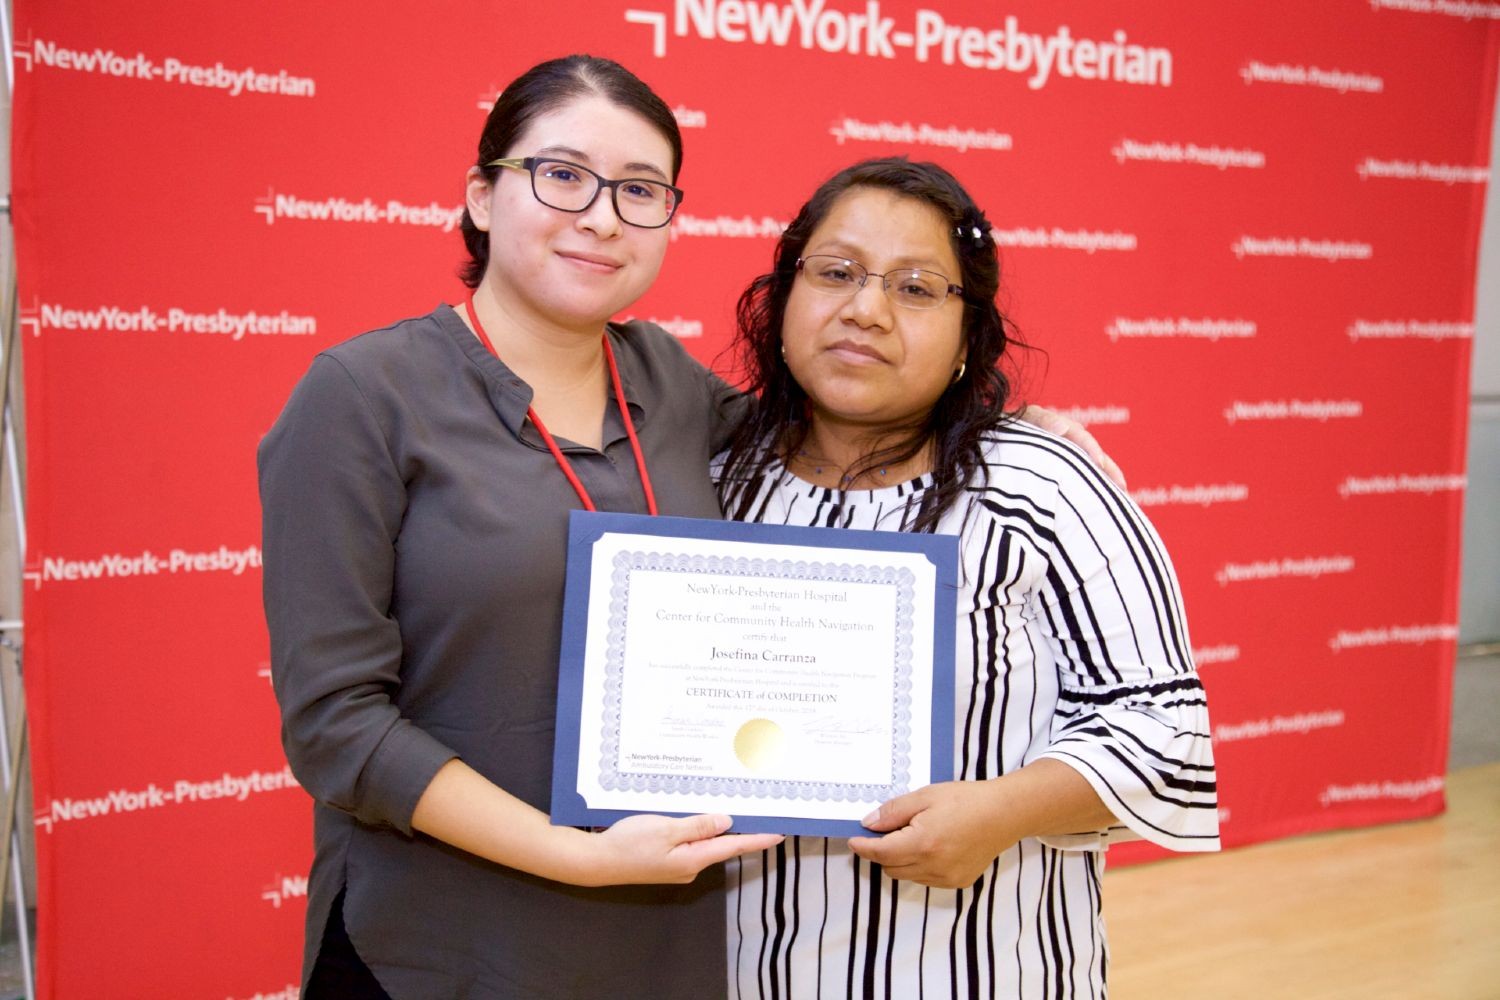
738	734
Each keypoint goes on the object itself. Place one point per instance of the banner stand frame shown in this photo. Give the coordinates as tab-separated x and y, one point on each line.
14	778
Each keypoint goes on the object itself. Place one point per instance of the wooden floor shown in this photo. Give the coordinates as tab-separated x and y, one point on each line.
1407	912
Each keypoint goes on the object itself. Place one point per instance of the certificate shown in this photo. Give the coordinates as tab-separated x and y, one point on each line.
792	677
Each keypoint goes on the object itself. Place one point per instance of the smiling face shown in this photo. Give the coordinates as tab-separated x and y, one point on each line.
864	361
564	269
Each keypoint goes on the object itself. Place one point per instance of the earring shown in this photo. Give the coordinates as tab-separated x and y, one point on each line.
963	366
783	350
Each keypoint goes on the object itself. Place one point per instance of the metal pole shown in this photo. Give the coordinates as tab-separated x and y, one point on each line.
10	850
12	774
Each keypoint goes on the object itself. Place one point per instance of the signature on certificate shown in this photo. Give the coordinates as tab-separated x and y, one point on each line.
846	727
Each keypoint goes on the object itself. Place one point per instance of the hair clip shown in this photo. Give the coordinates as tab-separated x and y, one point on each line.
969	232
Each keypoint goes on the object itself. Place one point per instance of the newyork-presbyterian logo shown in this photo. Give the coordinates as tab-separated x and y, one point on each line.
273	206
1317	410
732	227
957	138
1224	652
1370	791
1309	247
1308	568
221	322
815	25
234	81
1089	241
1448	174
1180	327
1393	635
1409	329
1195	495
147	563
1299	75
123	801
1189	153
1468	10
1299	724
682	329
1091	415
283	888
1423	484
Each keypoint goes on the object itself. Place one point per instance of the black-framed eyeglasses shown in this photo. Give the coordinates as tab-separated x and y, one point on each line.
912	288
572	187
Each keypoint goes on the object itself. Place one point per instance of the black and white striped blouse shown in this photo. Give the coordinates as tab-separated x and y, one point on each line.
1071	645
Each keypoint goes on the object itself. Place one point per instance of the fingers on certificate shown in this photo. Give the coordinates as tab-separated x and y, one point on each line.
944	835
662	849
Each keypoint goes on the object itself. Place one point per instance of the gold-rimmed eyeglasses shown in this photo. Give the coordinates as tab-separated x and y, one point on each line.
572	187
913	288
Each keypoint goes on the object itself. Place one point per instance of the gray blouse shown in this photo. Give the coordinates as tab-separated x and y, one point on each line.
414	539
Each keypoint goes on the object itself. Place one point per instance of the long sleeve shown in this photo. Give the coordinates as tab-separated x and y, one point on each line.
1070	645
1131	715
332	501
415	543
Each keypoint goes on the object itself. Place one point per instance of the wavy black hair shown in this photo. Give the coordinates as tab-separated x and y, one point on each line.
545	87
778	424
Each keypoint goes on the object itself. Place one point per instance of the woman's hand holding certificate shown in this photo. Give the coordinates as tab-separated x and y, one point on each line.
786	675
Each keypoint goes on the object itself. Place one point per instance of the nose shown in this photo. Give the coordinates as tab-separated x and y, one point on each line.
600	218
869	307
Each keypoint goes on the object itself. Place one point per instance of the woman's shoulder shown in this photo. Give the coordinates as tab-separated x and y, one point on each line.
387	371
1022	452
1056	480
654	363
403	344
655	350
1037	476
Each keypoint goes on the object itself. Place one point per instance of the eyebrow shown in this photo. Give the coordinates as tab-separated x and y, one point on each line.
913	262
577	154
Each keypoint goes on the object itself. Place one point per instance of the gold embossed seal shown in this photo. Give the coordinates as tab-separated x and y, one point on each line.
759	743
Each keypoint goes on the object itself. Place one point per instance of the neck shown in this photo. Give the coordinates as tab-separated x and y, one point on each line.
840	455
564	368
546	355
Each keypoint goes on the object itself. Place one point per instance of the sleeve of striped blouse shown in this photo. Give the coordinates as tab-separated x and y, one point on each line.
1131	716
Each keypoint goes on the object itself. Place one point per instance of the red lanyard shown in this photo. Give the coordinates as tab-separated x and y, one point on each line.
541	428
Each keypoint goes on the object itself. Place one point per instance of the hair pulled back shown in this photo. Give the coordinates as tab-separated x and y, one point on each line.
546	87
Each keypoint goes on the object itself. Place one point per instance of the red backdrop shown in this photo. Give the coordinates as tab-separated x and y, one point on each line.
1244	235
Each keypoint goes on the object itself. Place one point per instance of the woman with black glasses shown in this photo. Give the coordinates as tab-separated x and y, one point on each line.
416	491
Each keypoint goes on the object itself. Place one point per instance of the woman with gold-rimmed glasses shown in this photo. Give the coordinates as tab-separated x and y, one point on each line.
874	348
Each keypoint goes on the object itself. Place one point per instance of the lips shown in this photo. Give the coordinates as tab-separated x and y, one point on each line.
855	352
592	261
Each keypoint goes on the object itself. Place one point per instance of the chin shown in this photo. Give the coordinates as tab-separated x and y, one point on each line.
584	310
603	299
850	413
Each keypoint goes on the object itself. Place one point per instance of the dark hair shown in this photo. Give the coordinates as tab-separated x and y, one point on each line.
778	424
546	87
